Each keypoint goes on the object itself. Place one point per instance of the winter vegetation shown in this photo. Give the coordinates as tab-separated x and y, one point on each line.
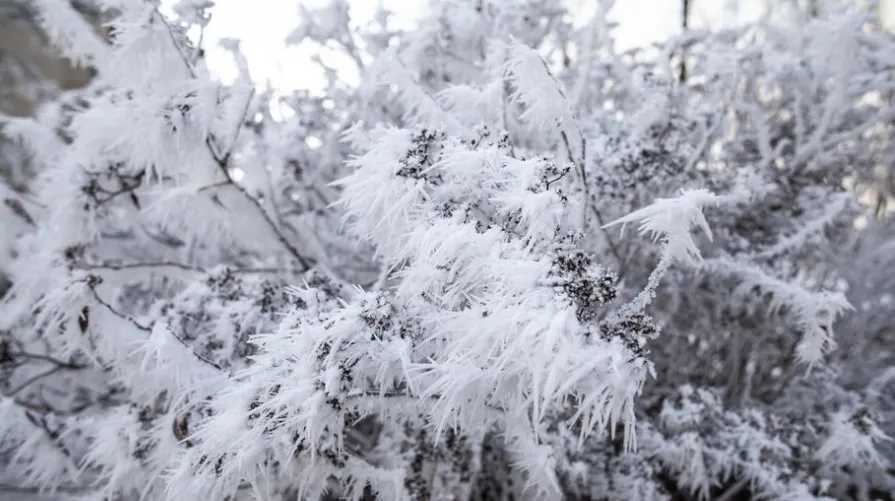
513	263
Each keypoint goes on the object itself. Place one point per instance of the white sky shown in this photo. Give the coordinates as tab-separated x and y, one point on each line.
263	25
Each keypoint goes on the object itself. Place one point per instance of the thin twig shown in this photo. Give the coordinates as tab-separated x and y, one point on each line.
45	358
270	223
132	266
19	210
703	144
238	127
685	21
411	398
177	46
579	164
39	490
587	198
33	379
212	186
223	160
50	434
91	285
733	490
202	358
180	266
622	268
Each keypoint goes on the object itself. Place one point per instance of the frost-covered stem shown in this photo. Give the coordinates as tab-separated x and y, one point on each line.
733	490
51	436
685	19
38	490
271	196
91	285
33	379
374	396
91	281
504	104
703	144
801	158
382	278
186	61
799	130
199	52
223	160
238	127
19	210
223	164
763	139
177	266
582	172
354	53
611	243
196	354
134	266
46	358
831	106
645	296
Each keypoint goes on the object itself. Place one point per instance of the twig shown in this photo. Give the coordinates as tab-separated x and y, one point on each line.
223	160
180	266
91	284
733	490
409	397
132	266
53	437
381	280
685	21
201	358
622	268
33	379
579	164
222	163
238	127
177	47
703	144
213	186
582	170
162	238
38	490
45	358
19	210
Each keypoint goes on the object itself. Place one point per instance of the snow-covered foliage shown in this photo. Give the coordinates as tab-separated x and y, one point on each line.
416	288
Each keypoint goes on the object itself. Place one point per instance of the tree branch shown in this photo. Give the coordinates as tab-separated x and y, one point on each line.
223	160
93	280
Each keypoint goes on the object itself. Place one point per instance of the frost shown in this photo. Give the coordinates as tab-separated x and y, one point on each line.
412	288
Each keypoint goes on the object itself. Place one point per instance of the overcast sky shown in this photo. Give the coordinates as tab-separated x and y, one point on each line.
263	25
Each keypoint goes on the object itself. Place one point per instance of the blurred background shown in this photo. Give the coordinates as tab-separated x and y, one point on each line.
31	71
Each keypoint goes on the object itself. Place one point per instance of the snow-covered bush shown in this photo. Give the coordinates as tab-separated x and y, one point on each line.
427	287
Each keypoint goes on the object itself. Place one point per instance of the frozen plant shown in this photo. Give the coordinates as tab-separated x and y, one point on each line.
415	288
